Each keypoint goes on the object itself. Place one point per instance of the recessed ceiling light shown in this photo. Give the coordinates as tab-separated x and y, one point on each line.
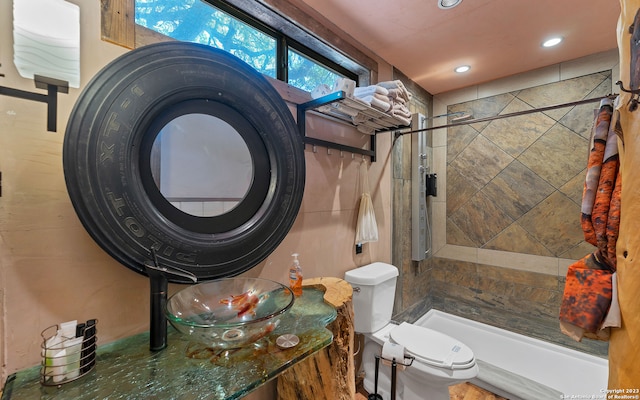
447	4
552	42
462	68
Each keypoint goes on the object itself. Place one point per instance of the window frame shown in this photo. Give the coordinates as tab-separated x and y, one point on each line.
289	34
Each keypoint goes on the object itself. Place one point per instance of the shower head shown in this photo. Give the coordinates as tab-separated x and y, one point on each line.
462	117
458	116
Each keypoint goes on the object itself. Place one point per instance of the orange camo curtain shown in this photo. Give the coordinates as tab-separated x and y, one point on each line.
588	292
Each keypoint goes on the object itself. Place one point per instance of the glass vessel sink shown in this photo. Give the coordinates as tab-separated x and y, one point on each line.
229	313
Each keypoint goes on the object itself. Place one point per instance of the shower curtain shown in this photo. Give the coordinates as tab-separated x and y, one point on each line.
589	307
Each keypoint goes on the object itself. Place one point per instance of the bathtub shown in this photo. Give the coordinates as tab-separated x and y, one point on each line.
523	368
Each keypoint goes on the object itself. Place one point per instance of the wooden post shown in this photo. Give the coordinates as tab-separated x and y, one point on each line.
117	22
330	373
624	368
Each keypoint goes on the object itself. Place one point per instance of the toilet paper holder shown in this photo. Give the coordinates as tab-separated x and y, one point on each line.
406	361
394	353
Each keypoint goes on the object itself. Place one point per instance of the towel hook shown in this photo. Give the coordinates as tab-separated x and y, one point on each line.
635	95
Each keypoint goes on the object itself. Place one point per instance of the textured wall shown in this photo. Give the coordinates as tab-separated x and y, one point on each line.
515	184
414	277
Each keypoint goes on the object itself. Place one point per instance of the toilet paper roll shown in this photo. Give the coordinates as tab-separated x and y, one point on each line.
393	350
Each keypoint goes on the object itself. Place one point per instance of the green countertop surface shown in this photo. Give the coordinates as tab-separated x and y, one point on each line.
127	369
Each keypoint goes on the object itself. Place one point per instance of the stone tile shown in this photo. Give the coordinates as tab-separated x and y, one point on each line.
458	138
481	219
532	309
561	92
580	119
459	190
454	266
405	144
518	261
539	76
495	286
455	291
579	251
603	89
515	134
415	311
536	295
456	236
494	300
515	299
527	278
400	224
458	253
574	187
398	157
555	223
517	189
465	277
516	239
481	161
414	288
486	107
557	156
438	226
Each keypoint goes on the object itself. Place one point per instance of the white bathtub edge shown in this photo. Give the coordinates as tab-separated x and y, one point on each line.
493	381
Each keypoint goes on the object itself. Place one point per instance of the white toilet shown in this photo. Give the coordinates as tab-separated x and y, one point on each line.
439	360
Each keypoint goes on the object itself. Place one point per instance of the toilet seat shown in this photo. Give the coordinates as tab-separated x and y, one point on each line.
433	348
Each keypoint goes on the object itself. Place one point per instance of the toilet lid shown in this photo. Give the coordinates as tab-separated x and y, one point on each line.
432	347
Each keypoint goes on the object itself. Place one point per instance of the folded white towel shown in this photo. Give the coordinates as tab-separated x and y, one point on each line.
377	103
360	118
346	85
400	117
397	84
320	90
401	110
369	91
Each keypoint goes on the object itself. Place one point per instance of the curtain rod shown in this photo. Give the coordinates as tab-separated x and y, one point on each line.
513	114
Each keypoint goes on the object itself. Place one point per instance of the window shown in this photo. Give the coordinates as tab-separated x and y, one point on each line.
306	74
252	41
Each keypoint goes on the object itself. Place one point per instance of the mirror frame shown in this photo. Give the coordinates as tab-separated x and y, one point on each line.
106	160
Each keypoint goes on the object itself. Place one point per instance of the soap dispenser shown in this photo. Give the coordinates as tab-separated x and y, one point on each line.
295	276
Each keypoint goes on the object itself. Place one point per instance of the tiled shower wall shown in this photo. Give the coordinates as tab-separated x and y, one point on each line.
412	286
515	184
506	221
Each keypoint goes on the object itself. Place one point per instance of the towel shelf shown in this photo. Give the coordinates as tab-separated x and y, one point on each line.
337	105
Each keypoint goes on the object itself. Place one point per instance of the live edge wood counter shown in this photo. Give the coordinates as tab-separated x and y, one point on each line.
330	373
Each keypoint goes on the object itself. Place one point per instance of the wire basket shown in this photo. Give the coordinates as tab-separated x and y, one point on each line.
65	359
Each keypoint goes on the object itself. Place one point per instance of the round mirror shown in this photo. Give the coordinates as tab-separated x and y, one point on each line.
185	150
201	165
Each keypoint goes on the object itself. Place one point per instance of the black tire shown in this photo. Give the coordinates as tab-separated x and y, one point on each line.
105	159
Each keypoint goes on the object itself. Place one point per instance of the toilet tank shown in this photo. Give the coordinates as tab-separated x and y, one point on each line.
374	288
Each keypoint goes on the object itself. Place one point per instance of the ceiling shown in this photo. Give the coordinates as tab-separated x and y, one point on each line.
497	38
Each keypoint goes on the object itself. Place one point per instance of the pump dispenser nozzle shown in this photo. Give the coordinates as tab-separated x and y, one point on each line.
295	276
